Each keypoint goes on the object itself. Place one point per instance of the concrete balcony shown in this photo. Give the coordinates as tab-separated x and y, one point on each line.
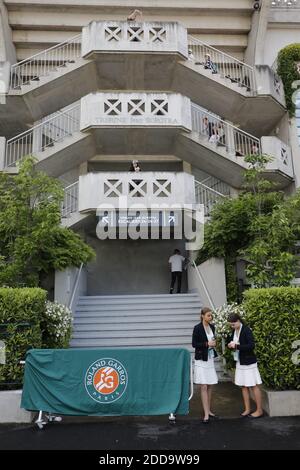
137	56
282	162
135	110
122	36
145	188
145	124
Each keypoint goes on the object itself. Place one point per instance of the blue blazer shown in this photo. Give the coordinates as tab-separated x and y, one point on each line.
200	342
246	346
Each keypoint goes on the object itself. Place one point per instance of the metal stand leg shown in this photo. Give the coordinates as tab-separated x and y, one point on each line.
40	422
51	418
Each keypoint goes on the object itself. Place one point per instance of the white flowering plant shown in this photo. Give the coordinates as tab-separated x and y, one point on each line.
57	326
221	315
223	329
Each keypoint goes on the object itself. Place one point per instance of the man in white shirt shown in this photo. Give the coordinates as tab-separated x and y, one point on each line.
176	264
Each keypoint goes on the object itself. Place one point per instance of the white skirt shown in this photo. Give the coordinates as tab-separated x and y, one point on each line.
247	376
205	372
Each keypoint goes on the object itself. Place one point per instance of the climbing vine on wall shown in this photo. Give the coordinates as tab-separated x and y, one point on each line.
287	61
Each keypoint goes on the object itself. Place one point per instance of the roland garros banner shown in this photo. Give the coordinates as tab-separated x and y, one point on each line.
107	382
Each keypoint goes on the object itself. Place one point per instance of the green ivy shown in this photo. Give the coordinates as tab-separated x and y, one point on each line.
288	72
273	314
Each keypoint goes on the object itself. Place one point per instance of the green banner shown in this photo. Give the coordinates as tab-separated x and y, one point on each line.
107	382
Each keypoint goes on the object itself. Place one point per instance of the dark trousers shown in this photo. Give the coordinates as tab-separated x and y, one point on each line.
176	275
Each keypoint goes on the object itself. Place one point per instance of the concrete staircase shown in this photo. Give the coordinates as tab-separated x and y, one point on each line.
137	321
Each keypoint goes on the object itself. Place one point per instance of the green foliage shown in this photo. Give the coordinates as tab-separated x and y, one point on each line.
21	311
32	241
259	226
232	289
56	326
274	316
287	70
273	239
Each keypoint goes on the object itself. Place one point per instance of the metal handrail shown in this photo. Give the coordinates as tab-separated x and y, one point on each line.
203	284
70	203
23	72
39	137
233	59
211	190
222	133
228	67
75	287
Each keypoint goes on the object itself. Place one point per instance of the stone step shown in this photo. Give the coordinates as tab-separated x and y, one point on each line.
158	317
134	333
132	342
138	307
163	314
129	326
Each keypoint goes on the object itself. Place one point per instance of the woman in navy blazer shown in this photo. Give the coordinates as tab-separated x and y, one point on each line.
246	374
205	373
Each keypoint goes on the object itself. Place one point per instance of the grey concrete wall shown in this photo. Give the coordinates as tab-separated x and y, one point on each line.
64	284
213	274
10	411
256	38
7	48
131	266
2	152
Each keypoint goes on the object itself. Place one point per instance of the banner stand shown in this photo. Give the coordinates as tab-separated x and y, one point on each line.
44	419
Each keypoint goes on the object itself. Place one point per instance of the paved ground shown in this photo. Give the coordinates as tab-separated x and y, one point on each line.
156	433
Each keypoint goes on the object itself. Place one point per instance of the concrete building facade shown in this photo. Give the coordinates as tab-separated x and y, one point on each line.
187	89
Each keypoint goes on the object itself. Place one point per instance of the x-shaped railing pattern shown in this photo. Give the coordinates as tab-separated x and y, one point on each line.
162	188
113	33
113	188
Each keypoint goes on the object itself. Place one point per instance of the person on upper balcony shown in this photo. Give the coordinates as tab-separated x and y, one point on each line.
134	14
135	166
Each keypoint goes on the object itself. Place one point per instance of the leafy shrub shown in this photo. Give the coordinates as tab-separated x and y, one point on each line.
273	314
56	326
20	313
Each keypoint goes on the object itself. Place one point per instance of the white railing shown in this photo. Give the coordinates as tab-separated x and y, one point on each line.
203	285
219	133
75	288
43	135
226	66
207	196
219	186
41	64
70	202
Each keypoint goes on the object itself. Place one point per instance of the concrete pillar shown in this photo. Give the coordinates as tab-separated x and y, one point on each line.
254	54
2	152
7	48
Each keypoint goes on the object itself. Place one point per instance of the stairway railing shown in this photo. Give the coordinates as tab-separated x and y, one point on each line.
43	135
219	133
70	202
226	66
207	196
216	184
44	62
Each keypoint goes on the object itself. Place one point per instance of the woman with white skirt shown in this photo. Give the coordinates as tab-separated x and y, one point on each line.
205	372
246	373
